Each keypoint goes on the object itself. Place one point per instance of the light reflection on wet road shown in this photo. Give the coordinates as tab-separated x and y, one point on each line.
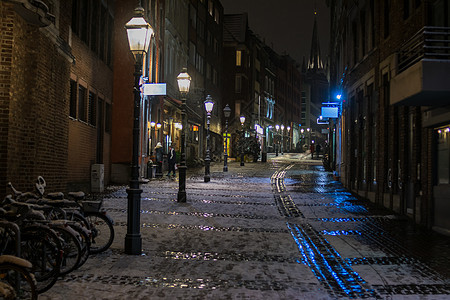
281	230
334	272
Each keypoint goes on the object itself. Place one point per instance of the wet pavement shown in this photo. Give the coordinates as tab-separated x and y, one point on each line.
277	230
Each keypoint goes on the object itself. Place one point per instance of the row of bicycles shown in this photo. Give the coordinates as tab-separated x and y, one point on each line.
46	236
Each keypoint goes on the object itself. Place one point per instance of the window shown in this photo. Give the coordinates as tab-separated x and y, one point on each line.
208	71
110	39
192	52
216	46
407	8
355	42
93	24
209	38
363	32
215	77
91	109
84	21
238	84
210	7
216	16
199	63
107	117
73	99
443	155
103	23
200	29
82	103
193	16
238	58
387	9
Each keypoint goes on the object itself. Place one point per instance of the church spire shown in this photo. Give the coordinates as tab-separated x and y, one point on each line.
315	60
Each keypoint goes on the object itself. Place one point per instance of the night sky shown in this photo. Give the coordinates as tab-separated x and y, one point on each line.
286	25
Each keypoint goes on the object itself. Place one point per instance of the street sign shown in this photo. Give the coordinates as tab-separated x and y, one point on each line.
155	89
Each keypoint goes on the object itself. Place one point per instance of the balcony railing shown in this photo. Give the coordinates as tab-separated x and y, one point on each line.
431	43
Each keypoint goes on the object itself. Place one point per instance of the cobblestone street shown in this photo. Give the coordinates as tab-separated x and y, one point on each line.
277	230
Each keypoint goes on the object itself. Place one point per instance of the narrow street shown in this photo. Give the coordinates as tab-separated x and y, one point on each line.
277	230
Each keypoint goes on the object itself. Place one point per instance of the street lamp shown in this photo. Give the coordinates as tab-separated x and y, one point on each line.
289	137
227	113
282	138
242	119
277	127
139	34
184	82
209	105
152	129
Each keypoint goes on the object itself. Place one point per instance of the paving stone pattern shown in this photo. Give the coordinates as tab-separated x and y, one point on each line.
277	230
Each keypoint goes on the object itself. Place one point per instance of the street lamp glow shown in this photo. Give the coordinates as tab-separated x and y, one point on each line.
139	34
242	119
209	104
227	114
277	127
184	81
288	128
158	126
152	124
282	127
302	130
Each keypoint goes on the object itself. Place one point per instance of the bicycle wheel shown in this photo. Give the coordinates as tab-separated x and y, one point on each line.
102	231
71	249
19	279
41	246
84	239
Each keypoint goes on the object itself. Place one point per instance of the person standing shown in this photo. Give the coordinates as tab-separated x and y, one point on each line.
311	148
159	159
172	160
318	149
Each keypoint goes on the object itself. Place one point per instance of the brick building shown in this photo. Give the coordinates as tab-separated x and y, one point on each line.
54	107
391	64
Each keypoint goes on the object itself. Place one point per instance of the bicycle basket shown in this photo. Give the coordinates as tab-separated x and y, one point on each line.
92	206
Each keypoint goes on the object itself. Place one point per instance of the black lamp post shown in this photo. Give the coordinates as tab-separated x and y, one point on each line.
184	82
242	119
289	138
277	127
139	34
209	105
282	138
227	113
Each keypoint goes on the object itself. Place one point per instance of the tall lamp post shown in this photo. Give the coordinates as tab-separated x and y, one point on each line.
152	130
277	127
227	114
282	138
289	137
139	34
242	119
184	82
209	105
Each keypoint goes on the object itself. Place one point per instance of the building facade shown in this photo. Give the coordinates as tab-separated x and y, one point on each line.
56	107
390	64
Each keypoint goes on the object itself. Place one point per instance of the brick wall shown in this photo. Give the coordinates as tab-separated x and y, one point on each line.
6	44
37	128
